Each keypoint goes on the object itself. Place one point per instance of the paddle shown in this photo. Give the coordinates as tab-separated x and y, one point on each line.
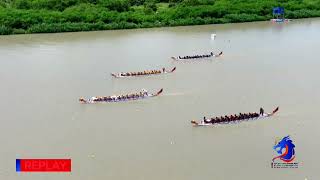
159	92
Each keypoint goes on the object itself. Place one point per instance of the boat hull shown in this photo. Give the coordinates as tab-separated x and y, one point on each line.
198	58
265	115
120	100
280	20
118	75
149	95
231	122
192	59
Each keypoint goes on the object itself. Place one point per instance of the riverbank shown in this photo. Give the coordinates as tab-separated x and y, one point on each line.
42	16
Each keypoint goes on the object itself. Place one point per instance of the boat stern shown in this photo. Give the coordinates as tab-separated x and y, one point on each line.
82	100
193	122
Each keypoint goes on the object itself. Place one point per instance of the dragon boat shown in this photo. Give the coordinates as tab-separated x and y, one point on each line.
234	119
196	57
120	98
143	73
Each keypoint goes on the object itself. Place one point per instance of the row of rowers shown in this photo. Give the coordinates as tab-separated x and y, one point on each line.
196	56
143	72
142	93
231	118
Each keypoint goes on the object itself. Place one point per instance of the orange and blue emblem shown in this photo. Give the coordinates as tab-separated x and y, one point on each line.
285	149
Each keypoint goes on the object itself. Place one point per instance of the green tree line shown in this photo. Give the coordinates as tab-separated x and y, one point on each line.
51	16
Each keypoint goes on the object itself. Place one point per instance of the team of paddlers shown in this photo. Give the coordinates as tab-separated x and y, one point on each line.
231	118
196	56
141	94
143	72
200	56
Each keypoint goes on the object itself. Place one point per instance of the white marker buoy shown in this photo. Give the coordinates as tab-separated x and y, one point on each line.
213	36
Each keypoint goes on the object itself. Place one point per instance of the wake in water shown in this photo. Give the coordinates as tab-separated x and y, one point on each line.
74	116
175	94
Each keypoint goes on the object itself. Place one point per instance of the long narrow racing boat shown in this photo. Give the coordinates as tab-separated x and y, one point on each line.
143	73
233	118
196	57
143	94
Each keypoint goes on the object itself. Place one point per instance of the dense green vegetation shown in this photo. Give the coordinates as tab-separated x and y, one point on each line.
48	16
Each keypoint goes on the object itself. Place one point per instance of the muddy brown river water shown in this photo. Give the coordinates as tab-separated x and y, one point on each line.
264	65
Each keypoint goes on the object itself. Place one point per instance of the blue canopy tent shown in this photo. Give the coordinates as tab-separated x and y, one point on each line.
278	12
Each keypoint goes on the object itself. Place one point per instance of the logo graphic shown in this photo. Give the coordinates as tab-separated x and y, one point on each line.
286	154
285	149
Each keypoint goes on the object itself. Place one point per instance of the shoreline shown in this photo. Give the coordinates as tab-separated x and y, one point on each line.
35	18
291	20
147	27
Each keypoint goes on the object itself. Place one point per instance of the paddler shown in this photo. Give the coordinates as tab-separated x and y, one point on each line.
212	120
261	111
227	118
247	115
145	92
205	120
240	116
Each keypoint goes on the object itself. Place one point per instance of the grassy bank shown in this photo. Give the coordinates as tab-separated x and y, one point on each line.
50	16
